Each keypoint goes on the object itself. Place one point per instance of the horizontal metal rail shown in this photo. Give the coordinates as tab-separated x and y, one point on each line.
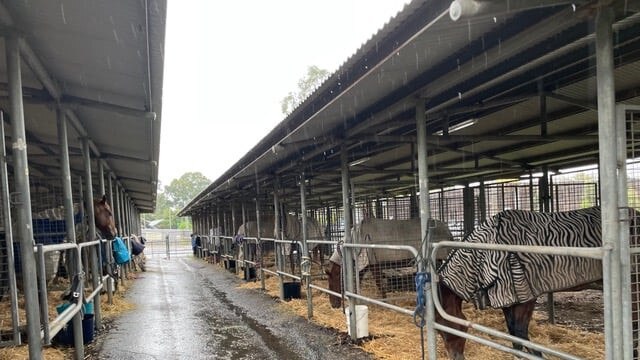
378	302
61	320
591	252
484	341
408	248
94	293
269	271
326	291
282	273
55	247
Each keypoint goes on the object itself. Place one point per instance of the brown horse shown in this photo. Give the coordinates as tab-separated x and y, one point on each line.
516	316
103	217
512	281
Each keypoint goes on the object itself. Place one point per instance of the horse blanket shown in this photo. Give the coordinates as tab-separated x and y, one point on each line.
505	278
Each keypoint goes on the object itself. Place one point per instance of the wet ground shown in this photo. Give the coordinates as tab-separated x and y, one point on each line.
186	309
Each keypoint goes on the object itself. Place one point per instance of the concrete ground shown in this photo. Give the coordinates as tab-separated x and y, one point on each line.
187	309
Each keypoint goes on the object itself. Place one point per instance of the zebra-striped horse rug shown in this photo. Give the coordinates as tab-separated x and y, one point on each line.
500	279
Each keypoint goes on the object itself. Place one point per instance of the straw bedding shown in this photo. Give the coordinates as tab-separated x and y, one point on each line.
394	336
109	311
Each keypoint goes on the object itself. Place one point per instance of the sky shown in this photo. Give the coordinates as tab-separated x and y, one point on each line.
228	64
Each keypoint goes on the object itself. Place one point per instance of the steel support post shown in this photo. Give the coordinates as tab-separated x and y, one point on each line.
245	246
347	258
217	243
127	211
24	228
232	233
468	209
279	235
425	213
117	209
609	183
101	178
8	231
482	202
65	170
110	192
96	273
545	206
305	266
110	280
259	241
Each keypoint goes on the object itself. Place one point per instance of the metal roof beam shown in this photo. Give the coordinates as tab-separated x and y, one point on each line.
589	105
72	102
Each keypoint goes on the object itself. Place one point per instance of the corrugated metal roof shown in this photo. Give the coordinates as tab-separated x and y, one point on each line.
106	60
487	68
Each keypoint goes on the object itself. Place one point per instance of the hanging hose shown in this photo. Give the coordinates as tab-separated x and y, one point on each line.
422	278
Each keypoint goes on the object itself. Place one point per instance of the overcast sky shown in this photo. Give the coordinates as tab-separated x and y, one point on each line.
229	63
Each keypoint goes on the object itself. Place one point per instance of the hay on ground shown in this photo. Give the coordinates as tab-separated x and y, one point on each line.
394	335
109	311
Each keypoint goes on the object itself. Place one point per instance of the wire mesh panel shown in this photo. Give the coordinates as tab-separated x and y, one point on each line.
633	198
8	311
448	206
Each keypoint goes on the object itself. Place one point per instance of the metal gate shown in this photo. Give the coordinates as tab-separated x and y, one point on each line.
167	243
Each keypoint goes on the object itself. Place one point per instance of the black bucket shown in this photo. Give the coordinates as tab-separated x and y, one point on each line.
249	273
231	265
65	336
291	290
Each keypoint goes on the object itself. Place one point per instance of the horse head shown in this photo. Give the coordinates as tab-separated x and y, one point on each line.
452	305
334	277
104	218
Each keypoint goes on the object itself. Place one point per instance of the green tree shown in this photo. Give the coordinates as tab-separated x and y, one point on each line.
306	85
175	196
180	191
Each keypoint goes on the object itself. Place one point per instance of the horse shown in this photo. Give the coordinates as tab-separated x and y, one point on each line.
138	259
512	281
292	229
103	217
379	231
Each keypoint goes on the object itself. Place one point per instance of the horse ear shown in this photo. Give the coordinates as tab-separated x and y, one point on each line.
104	198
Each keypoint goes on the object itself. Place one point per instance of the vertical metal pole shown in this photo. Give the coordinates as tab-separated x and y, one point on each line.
23	197
217	244
93	253
67	190
109	252
258	236
278	235
482	202
531	206
118	211
245	246
425	213
234	229
608	177
328	228
305	266
8	231
101	178
543	186
110	192
468	209
347	258
42	292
